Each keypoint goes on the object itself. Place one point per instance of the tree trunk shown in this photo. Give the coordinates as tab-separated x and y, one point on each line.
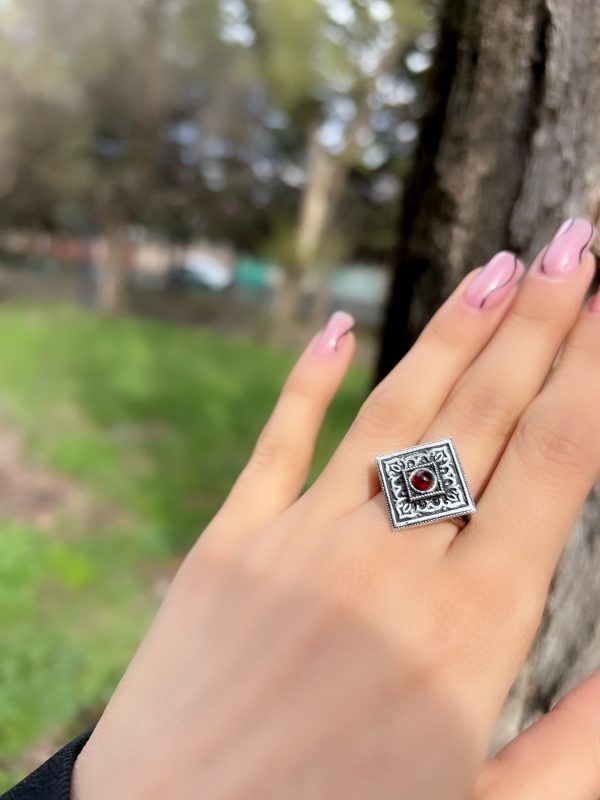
509	148
326	179
328	175
110	271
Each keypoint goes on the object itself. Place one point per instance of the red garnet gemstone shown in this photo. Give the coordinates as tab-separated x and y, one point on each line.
422	480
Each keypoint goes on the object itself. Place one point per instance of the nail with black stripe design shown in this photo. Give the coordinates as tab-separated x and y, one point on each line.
491	286
568	247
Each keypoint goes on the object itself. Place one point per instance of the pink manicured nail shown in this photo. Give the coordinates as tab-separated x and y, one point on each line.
566	250
490	286
340	323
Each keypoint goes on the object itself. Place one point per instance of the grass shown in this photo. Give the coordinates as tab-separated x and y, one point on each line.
151	421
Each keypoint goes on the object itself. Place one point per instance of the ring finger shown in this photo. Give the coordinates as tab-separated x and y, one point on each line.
404	404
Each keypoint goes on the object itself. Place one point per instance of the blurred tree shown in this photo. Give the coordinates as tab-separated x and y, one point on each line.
510	148
215	118
325	62
95	98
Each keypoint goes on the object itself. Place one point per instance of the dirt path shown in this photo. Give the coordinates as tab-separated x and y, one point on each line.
43	498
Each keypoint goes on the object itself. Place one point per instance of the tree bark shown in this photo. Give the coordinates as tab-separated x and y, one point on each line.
509	148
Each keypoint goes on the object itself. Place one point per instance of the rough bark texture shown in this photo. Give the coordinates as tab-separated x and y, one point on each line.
510	148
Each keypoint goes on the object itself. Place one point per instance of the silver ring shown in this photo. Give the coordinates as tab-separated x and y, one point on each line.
460	522
424	484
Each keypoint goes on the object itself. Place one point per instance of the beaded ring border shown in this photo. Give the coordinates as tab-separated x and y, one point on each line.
425	483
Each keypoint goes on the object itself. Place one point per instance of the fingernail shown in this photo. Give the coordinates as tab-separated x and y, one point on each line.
339	324
566	250
490	286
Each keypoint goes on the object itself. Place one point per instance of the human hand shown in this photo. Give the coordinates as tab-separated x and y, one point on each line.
305	650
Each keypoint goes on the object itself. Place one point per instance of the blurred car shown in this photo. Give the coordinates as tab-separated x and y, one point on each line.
256	280
202	269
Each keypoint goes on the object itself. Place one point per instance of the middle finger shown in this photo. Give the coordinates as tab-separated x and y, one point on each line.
489	398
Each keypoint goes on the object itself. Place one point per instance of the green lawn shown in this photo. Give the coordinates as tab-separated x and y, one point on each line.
150	424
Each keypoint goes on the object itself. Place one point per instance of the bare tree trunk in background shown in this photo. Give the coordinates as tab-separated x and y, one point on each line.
114	213
510	148
110	271
327	179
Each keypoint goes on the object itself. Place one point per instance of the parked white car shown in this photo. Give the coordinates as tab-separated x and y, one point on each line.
203	269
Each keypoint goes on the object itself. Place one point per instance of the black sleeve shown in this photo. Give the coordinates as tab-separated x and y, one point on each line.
51	781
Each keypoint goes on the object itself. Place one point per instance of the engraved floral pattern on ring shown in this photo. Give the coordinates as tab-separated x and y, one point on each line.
448	497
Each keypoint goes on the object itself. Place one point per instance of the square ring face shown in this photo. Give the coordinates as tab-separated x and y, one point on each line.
424	484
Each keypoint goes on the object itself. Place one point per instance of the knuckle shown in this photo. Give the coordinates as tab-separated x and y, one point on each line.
485	405
529	313
555	439
273	449
376	412
384	407
581	347
299	385
441	329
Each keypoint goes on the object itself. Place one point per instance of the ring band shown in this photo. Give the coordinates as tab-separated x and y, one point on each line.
460	522
425	483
